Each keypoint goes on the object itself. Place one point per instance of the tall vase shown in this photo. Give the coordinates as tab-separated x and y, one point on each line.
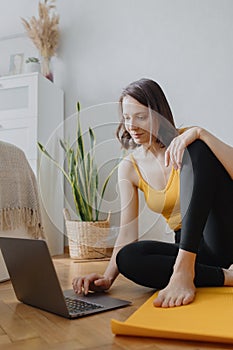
46	68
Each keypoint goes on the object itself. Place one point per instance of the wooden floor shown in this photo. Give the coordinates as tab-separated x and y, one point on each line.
24	327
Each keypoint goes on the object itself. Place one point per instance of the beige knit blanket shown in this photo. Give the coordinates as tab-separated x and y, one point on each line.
19	202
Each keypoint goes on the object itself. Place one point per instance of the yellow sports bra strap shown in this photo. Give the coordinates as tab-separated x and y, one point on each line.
135	166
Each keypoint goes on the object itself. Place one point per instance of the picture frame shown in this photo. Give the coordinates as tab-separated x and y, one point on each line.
16	63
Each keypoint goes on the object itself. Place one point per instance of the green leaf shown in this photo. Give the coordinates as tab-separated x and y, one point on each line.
93	188
96	195
43	149
80	143
71	164
92	139
64	145
80	205
106	183
78	107
45	152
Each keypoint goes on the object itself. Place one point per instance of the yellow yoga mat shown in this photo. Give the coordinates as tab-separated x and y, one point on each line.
208	318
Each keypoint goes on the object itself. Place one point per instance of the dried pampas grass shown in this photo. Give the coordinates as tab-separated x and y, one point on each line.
44	31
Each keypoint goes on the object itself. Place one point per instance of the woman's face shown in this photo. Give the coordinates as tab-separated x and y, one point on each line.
138	121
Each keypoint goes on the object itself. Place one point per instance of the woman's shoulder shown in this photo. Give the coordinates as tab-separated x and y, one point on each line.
126	168
132	157
126	163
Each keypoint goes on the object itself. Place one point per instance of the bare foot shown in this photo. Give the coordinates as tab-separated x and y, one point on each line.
228	276
179	291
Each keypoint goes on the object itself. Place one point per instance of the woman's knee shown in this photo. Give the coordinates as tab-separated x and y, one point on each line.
199	163
126	256
199	154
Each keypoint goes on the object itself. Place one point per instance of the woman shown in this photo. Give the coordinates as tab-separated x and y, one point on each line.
199	212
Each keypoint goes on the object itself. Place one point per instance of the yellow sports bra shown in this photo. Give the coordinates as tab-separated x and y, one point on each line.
166	201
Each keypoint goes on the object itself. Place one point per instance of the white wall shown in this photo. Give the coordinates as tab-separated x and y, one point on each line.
185	45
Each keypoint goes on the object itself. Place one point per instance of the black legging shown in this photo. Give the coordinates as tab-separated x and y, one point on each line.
206	200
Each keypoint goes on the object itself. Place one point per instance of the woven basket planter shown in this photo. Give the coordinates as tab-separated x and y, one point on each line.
87	239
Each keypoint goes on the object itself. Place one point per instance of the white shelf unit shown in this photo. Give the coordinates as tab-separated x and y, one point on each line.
32	110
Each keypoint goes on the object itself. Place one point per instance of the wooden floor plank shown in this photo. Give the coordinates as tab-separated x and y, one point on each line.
47	326
4	340
25	327
28	344
15	327
2	332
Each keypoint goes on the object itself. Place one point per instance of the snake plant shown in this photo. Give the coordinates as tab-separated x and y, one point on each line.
82	174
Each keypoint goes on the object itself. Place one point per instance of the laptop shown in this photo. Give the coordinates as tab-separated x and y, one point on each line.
35	281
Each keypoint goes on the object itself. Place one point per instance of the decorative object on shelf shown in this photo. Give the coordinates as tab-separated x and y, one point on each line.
83	178
44	33
32	65
16	64
46	69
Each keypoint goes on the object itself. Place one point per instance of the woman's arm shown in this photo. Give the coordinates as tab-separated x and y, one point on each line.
128	232
222	151
129	214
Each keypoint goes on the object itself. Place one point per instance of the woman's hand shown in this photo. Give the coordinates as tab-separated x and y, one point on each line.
175	151
94	282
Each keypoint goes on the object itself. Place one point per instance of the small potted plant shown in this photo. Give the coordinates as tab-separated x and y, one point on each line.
85	234
32	65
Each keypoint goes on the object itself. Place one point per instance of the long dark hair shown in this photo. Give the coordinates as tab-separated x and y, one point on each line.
148	93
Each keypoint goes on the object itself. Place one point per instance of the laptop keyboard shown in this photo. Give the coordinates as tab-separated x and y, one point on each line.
77	306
